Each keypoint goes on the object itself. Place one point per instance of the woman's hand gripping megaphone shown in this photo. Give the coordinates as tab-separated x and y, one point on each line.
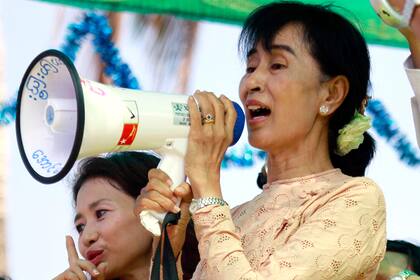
161	196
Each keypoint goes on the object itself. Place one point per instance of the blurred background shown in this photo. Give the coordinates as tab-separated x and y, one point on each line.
176	54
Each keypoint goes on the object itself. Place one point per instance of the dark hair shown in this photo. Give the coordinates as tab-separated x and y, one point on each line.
127	169
262	177
339	49
404	247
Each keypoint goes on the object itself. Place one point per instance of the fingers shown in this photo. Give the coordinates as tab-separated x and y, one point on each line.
68	275
157	194
148	202
89	267
162	188
159	175
77	265
73	258
209	105
206	106
184	191
224	113
219	111
102	268
195	115
165	203
76	272
230	116
71	250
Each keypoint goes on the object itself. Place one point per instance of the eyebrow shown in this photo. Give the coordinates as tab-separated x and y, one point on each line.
91	206
282	47
274	47
251	52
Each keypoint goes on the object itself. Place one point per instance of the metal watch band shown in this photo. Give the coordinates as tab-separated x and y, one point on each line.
202	202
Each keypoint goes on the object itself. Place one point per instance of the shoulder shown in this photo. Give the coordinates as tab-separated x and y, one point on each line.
361	192
362	186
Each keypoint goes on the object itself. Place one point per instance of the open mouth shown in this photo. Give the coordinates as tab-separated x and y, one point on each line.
258	111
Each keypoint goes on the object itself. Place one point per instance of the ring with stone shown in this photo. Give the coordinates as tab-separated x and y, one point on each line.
208	119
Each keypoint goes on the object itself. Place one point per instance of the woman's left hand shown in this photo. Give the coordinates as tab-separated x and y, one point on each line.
207	141
78	266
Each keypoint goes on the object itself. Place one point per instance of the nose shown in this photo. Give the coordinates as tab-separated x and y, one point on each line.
89	235
254	83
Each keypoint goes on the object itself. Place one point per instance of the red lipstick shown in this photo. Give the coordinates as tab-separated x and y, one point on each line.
95	256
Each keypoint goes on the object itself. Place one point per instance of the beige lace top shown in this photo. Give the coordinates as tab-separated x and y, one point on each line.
322	226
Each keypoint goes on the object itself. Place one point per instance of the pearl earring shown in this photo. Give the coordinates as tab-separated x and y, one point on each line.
323	109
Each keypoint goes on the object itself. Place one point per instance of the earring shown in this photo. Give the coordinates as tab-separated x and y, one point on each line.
323	110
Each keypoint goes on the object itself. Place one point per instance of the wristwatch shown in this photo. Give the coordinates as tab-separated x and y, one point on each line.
403	275
199	203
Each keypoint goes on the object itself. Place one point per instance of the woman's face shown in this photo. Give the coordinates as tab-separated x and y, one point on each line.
108	229
280	91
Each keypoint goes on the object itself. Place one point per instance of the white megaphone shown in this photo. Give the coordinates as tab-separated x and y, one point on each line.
62	117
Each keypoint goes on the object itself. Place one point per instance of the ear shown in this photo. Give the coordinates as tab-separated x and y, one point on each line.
336	90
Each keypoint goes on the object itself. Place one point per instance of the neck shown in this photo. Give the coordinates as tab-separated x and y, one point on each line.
305	158
140	271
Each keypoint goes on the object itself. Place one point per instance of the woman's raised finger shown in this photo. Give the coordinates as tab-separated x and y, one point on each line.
77	265
72	255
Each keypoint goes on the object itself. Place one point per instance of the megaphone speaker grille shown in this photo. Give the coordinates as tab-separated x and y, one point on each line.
50	116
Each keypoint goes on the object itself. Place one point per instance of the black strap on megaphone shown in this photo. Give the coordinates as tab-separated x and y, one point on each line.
168	258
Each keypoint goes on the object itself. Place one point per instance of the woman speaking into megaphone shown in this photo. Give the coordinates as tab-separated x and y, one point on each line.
304	92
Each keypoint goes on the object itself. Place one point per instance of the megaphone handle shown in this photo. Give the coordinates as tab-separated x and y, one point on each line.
173	165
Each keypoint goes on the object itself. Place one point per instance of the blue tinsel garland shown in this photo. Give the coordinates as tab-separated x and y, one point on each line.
387	128
120	72
99	27
8	112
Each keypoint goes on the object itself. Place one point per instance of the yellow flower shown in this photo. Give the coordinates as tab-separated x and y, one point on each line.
351	135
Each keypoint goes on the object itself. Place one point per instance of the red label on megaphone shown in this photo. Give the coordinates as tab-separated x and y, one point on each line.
128	135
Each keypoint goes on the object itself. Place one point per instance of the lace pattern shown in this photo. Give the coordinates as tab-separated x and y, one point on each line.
324	226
